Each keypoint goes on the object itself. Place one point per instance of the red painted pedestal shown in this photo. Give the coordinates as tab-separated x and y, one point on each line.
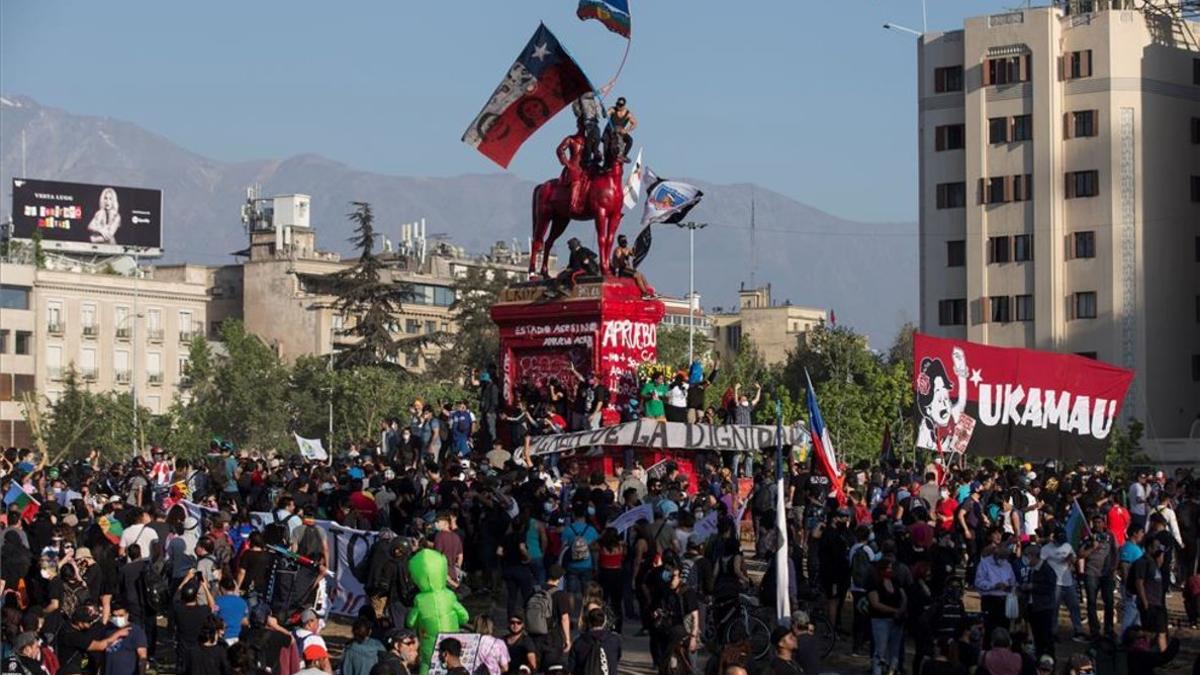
604	328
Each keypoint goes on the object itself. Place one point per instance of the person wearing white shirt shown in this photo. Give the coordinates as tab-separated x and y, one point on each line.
139	533
1061	558
1139	494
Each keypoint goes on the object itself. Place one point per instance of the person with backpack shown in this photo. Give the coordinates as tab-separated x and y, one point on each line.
548	619
1099	555
579	539
862	559
309	540
597	651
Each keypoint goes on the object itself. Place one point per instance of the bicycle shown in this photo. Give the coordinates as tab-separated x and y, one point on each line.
737	623
813	602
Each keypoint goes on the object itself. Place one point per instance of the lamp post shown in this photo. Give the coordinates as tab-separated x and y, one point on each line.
691	228
902	29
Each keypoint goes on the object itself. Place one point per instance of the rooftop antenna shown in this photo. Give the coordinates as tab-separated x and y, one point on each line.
753	248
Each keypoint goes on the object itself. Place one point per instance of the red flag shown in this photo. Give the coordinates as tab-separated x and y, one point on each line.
542	81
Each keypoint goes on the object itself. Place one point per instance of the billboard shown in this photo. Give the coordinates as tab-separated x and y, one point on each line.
86	217
1020	402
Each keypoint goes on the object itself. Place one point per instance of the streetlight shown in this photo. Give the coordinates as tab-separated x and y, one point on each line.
691	228
902	29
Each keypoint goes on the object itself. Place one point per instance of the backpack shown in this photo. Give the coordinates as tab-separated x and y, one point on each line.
764	500
860	567
276	533
156	590
538	611
580	549
597	660
463	423
72	597
310	545
688	575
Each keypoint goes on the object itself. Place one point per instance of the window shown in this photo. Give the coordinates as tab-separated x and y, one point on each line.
24	343
121	370
1024	307
998	130
87	364
439	296
1082	123
999	306
951	195
1196	188
54	359
1083	305
1022	128
1022	188
154	403
14	297
998	250
952	312
4	341
956	253
412	326
1006	70
1084	244
87	317
54	318
1083	184
186	327
154	372
430	327
949	137
996	192
154	324
949	78
733	336
1023	248
121	317
1077	64
1196	131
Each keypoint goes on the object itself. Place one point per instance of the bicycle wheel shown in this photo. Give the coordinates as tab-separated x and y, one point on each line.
751	630
825	634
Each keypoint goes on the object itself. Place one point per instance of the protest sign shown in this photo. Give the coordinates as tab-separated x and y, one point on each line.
629	518
470	653
670	435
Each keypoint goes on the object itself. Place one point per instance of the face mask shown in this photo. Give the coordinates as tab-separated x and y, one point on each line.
548	506
667	575
591	510
120	621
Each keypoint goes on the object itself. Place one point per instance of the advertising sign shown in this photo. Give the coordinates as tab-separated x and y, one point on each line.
1005	401
86	217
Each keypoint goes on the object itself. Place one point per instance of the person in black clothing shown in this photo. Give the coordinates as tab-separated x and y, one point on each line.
254	567
132	589
489	408
82	641
514	563
522	650
24	658
262	639
674	606
191	615
583	262
598	637
210	656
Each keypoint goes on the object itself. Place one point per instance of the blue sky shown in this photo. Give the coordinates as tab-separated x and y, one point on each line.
812	99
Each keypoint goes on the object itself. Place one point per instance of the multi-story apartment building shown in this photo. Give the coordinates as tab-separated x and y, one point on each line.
18	362
1060	191
775	329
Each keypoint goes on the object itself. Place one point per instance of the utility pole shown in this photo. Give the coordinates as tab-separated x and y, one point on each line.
691	227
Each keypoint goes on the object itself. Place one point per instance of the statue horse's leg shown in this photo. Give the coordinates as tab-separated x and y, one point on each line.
541	222
558	225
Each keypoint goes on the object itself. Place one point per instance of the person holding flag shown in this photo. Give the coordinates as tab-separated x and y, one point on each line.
823	444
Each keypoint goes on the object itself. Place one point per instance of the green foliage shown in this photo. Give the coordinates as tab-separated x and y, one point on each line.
477	341
80	421
369	299
1125	450
673	346
39	253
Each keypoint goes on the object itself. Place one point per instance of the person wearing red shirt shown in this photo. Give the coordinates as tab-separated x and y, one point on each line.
362	502
946	507
1118	520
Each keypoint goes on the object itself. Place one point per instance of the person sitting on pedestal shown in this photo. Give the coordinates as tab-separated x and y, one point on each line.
622	265
581	263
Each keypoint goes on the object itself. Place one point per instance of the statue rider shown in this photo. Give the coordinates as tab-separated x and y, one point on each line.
621	123
570	155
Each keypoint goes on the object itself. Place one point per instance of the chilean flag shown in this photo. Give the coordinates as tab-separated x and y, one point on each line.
822	444
542	81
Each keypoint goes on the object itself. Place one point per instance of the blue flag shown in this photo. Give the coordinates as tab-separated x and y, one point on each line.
614	14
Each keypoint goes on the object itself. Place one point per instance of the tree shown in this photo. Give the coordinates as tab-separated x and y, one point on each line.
476	344
1125	450
369	299
673	346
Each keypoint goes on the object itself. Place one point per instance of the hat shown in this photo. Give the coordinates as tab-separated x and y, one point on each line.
115	499
53	472
800	618
1046	661
84	553
315	651
778	634
308	615
23	640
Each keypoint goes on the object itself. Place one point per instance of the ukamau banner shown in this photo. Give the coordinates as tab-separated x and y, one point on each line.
988	401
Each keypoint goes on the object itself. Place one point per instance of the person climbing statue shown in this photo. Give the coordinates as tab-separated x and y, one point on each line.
621	122
570	155
588	112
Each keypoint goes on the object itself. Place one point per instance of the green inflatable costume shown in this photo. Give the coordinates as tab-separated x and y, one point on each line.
436	609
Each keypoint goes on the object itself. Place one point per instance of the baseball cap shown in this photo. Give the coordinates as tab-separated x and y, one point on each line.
778	634
23	640
315	651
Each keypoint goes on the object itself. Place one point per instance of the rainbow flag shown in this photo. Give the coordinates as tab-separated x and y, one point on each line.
1077	527
18	498
614	14
112	528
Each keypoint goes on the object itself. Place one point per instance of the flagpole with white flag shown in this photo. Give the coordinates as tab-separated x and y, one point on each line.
783	601
633	184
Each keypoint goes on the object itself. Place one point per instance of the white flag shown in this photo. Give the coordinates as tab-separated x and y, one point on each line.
633	185
311	448
668	201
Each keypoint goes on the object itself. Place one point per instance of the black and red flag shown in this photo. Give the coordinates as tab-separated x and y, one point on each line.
1006	401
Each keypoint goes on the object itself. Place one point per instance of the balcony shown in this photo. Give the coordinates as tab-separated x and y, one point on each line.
91	331
56	327
124	334
184	382
89	374
123	376
155	379
154	334
55	373
186	336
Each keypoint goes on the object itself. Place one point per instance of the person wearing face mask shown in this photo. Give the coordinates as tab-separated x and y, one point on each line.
127	656
994	578
674	605
1039	587
82	642
1061	556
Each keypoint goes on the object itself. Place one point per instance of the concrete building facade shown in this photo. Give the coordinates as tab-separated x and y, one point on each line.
775	329
1060	192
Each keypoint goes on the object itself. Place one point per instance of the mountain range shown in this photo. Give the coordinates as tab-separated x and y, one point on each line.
865	272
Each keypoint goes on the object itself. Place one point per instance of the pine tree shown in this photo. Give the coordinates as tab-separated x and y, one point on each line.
369	299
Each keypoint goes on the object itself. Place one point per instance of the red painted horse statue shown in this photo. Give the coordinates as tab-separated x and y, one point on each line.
599	198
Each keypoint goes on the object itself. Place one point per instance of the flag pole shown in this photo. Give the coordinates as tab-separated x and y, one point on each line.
613	82
783	608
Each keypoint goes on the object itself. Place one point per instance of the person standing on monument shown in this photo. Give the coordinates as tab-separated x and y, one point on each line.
621	124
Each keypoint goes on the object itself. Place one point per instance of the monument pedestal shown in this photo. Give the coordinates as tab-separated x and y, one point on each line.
601	327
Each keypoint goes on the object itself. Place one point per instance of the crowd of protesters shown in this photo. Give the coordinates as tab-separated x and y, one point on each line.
105	568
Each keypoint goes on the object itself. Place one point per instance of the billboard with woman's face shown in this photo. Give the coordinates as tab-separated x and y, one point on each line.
85	217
